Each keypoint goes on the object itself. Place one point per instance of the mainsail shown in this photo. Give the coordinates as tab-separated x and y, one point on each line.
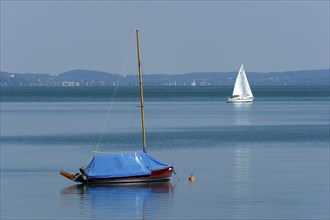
242	87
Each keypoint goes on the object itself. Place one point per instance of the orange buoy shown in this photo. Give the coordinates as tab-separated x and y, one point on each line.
191	178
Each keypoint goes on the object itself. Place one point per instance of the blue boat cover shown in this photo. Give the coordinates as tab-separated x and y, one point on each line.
123	165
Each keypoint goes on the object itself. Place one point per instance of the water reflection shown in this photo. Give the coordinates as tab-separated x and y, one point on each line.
140	201
242	166
242	113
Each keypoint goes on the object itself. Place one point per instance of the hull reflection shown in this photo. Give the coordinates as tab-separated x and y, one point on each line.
126	201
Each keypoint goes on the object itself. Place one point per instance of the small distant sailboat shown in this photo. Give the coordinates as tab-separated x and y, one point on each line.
242	91
138	167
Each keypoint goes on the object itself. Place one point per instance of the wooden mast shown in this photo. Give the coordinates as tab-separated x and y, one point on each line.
144	140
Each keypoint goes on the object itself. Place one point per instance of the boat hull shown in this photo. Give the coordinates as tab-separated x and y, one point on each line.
161	175
155	176
240	100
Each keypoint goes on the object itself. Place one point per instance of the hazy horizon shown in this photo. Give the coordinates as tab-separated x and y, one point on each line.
176	37
149	73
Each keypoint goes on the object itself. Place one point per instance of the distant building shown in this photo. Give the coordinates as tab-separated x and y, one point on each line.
70	84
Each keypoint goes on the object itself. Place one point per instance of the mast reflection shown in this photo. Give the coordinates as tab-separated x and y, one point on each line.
242	181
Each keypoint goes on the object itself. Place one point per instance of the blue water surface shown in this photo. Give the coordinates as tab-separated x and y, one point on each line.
264	160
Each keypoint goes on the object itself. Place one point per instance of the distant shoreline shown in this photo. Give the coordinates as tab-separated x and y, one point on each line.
96	78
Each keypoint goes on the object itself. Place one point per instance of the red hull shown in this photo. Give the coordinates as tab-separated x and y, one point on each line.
156	175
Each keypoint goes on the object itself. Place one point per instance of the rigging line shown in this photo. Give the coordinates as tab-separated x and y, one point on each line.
114	94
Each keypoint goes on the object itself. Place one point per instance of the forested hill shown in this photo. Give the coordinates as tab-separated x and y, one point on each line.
97	78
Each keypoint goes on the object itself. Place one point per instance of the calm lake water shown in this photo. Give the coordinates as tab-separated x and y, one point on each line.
265	160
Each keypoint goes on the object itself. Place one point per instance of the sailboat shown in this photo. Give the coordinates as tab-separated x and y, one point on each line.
137	167
242	91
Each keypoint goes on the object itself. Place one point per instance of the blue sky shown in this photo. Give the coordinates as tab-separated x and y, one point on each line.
176	36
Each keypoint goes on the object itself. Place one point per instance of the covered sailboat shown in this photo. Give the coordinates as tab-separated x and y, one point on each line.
242	91
126	167
122	168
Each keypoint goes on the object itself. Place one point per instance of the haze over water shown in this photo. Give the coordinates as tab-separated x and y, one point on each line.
265	160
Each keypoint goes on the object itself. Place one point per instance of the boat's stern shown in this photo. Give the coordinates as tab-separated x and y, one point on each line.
78	177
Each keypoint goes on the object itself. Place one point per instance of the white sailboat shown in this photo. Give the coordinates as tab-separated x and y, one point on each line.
242	91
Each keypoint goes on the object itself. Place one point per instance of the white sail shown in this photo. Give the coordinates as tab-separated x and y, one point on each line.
238	88
242	91
246	86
